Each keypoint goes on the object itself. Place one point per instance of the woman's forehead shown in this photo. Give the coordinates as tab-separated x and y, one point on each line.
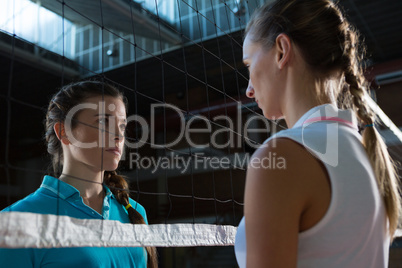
105	105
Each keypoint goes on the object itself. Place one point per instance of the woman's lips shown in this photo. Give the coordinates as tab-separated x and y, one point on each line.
115	151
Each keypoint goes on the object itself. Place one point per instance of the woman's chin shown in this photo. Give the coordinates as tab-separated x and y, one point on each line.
111	166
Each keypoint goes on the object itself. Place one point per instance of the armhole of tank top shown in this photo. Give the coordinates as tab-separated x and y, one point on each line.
333	200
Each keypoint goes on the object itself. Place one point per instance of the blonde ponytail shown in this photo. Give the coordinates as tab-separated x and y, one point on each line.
381	161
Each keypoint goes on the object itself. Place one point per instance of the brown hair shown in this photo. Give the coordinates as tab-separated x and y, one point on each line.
330	44
61	103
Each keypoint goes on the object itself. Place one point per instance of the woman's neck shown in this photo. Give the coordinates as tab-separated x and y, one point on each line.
90	188
87	182
302	94
295	110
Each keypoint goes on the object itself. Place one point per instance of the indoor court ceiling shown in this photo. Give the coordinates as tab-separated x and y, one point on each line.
380	23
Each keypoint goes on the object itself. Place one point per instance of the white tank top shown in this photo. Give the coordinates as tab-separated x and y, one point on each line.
354	230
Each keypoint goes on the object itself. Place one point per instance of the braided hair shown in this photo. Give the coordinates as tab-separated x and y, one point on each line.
119	187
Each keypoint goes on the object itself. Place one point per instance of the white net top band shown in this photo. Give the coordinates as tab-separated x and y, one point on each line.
30	230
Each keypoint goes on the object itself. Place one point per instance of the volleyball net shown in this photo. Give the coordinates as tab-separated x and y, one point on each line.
191	131
179	63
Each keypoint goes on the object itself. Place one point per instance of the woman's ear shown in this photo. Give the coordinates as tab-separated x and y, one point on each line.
284	47
61	133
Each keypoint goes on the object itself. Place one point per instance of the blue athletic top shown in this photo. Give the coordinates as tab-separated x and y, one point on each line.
59	198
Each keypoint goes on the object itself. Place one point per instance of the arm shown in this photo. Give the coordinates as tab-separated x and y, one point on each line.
276	201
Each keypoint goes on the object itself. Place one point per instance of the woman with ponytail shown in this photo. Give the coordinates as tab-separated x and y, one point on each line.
335	202
85	125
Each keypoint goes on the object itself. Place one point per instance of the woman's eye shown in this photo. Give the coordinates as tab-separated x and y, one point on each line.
103	121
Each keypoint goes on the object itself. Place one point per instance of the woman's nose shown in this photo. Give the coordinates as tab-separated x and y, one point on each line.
250	90
119	136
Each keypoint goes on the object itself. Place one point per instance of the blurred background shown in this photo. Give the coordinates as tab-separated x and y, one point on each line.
185	53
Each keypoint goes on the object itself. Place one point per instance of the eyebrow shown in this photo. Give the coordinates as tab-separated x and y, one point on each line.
108	115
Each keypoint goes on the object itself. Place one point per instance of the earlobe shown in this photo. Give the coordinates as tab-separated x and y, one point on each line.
284	47
61	133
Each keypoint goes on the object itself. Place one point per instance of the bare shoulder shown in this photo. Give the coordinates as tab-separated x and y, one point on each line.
284	166
284	157
283	180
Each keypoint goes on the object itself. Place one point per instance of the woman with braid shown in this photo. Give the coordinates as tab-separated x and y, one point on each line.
85	126
335	202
